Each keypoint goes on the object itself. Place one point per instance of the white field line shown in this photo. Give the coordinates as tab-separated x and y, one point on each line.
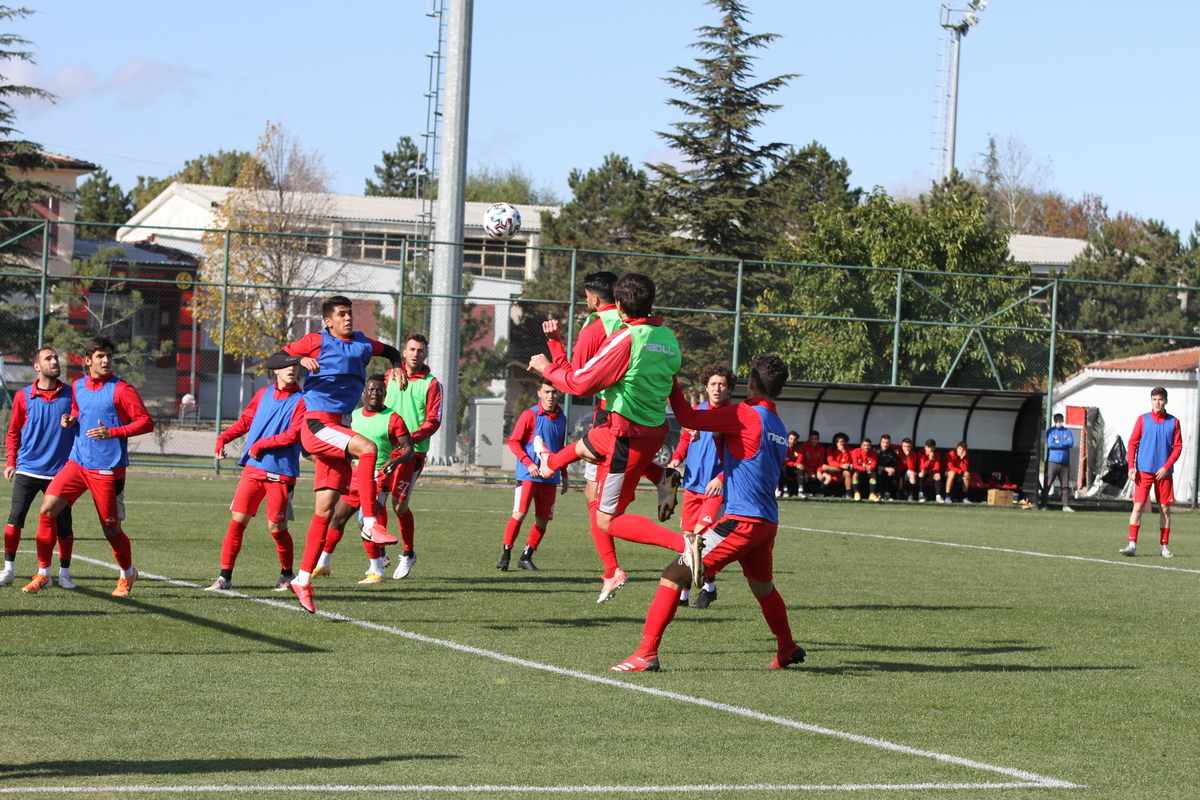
1029	778
486	788
1125	562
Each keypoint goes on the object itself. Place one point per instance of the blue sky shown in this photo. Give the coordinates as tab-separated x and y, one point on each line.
1104	90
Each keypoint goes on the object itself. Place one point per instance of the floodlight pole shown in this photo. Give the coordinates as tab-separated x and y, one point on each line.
957	20
445	320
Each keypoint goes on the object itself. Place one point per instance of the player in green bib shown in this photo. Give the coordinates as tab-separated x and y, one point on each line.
636	364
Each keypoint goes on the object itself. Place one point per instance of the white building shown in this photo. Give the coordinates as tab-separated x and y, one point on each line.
1103	400
1045	254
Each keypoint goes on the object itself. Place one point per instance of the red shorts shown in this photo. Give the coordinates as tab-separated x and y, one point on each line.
327	441
698	509
1164	490
541	495
749	542
108	490
625	461
404	479
254	486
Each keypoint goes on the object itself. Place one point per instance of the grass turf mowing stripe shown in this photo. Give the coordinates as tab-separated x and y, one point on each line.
484	788
1029	778
1127	562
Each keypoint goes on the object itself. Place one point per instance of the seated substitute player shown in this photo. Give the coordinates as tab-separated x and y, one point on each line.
789	479
270	464
1154	447
755	444
958	469
812	458
638	362
888	468
929	465
336	359
418	399
385	427
838	471
99	456
38	447
865	462
908	464
546	424
703	481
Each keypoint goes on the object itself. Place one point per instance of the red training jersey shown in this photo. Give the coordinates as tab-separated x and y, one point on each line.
930	463
864	460
955	463
837	458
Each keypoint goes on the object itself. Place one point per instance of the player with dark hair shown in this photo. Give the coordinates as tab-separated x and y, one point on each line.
542	427
1059	442
638	362
99	456
703	481
385	427
908	464
958	469
270	464
812	458
864	462
336	359
755	443
887	468
38	446
838	469
1154	447
417	396
929	464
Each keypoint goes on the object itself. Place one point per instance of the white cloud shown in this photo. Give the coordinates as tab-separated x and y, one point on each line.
137	82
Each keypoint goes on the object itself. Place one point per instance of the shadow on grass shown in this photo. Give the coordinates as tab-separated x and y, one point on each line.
191	766
888	607
997	648
861	668
32	612
203	622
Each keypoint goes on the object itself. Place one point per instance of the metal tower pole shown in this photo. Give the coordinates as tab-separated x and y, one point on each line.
446	311
952	113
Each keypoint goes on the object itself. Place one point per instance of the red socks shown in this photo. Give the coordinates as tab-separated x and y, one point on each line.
373	550
1166	534
1133	533
12	538
633	528
407	528
314	542
122	550
364	479
535	536
774	611
284	547
47	534
603	542
511	529
232	544
662	611
563	457
332	537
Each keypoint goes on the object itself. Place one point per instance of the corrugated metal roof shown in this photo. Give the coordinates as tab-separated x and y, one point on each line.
1047	250
1171	361
131	254
350	208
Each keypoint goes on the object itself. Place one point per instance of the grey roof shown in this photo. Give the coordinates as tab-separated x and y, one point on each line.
1045	250
131	253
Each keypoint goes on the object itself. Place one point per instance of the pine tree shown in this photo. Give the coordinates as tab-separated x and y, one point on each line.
400	174
712	200
100	199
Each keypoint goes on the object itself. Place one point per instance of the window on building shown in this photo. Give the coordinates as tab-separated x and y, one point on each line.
495	259
374	246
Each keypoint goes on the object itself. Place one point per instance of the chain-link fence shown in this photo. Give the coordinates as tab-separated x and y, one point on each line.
195	311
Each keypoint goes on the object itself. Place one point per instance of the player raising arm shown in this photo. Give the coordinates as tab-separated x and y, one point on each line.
755	447
336	359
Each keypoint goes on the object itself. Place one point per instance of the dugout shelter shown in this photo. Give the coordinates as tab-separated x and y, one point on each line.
1002	429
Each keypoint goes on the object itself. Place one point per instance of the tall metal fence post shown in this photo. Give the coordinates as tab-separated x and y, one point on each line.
571	323
400	296
221	348
1050	367
42	294
896	330
737	316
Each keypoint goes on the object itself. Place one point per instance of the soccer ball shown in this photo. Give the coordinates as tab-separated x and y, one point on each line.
501	221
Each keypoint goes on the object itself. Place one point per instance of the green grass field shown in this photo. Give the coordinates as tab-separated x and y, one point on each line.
952	652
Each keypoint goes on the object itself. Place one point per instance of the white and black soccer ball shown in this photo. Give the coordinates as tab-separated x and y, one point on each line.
501	221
